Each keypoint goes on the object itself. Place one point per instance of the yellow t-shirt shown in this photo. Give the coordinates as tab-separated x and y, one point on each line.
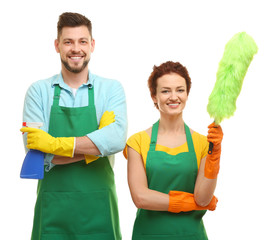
140	142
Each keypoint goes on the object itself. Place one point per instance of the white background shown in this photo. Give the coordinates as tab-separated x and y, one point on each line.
132	36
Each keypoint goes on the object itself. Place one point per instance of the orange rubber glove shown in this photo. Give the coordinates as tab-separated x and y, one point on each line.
185	202
212	164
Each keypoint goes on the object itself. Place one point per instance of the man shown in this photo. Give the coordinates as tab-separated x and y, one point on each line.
76	200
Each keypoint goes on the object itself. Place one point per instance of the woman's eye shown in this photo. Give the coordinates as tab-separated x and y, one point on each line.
165	91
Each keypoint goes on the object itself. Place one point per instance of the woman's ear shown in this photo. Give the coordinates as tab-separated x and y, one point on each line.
154	99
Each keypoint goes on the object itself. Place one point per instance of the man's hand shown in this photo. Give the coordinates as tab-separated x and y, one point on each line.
106	119
44	142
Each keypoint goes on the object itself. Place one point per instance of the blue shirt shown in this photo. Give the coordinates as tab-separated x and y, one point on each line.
108	95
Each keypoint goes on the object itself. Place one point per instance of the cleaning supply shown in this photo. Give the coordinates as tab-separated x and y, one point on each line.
238	54
212	163
41	140
184	202
33	164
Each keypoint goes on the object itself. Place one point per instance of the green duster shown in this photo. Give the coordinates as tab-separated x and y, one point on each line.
238	54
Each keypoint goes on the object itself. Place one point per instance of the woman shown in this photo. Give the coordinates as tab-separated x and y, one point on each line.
170	175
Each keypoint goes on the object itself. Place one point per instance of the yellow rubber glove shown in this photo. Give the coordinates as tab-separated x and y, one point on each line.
106	119
42	141
185	202
212	164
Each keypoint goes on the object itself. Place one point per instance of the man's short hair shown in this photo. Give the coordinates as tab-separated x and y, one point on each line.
69	19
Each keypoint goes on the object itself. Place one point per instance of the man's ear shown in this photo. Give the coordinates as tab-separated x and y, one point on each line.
56	45
92	45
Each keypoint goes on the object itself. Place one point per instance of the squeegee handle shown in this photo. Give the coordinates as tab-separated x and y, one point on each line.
210	148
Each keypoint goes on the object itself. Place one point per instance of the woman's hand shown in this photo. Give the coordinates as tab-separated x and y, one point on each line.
215	135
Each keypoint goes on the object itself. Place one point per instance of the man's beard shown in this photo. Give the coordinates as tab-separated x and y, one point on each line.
75	70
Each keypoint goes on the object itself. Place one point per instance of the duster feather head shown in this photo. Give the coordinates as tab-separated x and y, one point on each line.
238	54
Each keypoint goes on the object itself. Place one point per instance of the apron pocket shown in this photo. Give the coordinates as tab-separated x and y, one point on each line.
167	237
75	213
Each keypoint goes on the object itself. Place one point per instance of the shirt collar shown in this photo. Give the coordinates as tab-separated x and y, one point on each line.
58	80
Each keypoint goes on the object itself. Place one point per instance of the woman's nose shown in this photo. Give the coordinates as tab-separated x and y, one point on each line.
173	96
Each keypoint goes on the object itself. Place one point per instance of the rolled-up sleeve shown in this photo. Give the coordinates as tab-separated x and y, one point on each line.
112	138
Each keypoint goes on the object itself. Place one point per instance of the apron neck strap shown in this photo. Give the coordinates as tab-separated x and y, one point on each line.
154	135
57	92
91	96
56	96
189	139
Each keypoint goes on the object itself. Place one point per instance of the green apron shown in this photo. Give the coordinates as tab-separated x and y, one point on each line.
76	201
165	173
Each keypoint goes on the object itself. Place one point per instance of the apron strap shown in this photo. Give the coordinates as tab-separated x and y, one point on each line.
56	96
57	92
154	135
189	139
91	96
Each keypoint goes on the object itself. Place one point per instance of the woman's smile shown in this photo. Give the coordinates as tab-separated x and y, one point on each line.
173	105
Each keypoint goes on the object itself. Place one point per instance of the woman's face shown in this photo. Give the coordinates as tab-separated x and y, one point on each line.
171	94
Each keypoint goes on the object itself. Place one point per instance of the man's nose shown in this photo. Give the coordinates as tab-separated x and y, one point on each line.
75	47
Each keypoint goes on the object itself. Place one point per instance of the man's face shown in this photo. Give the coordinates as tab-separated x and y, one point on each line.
75	46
